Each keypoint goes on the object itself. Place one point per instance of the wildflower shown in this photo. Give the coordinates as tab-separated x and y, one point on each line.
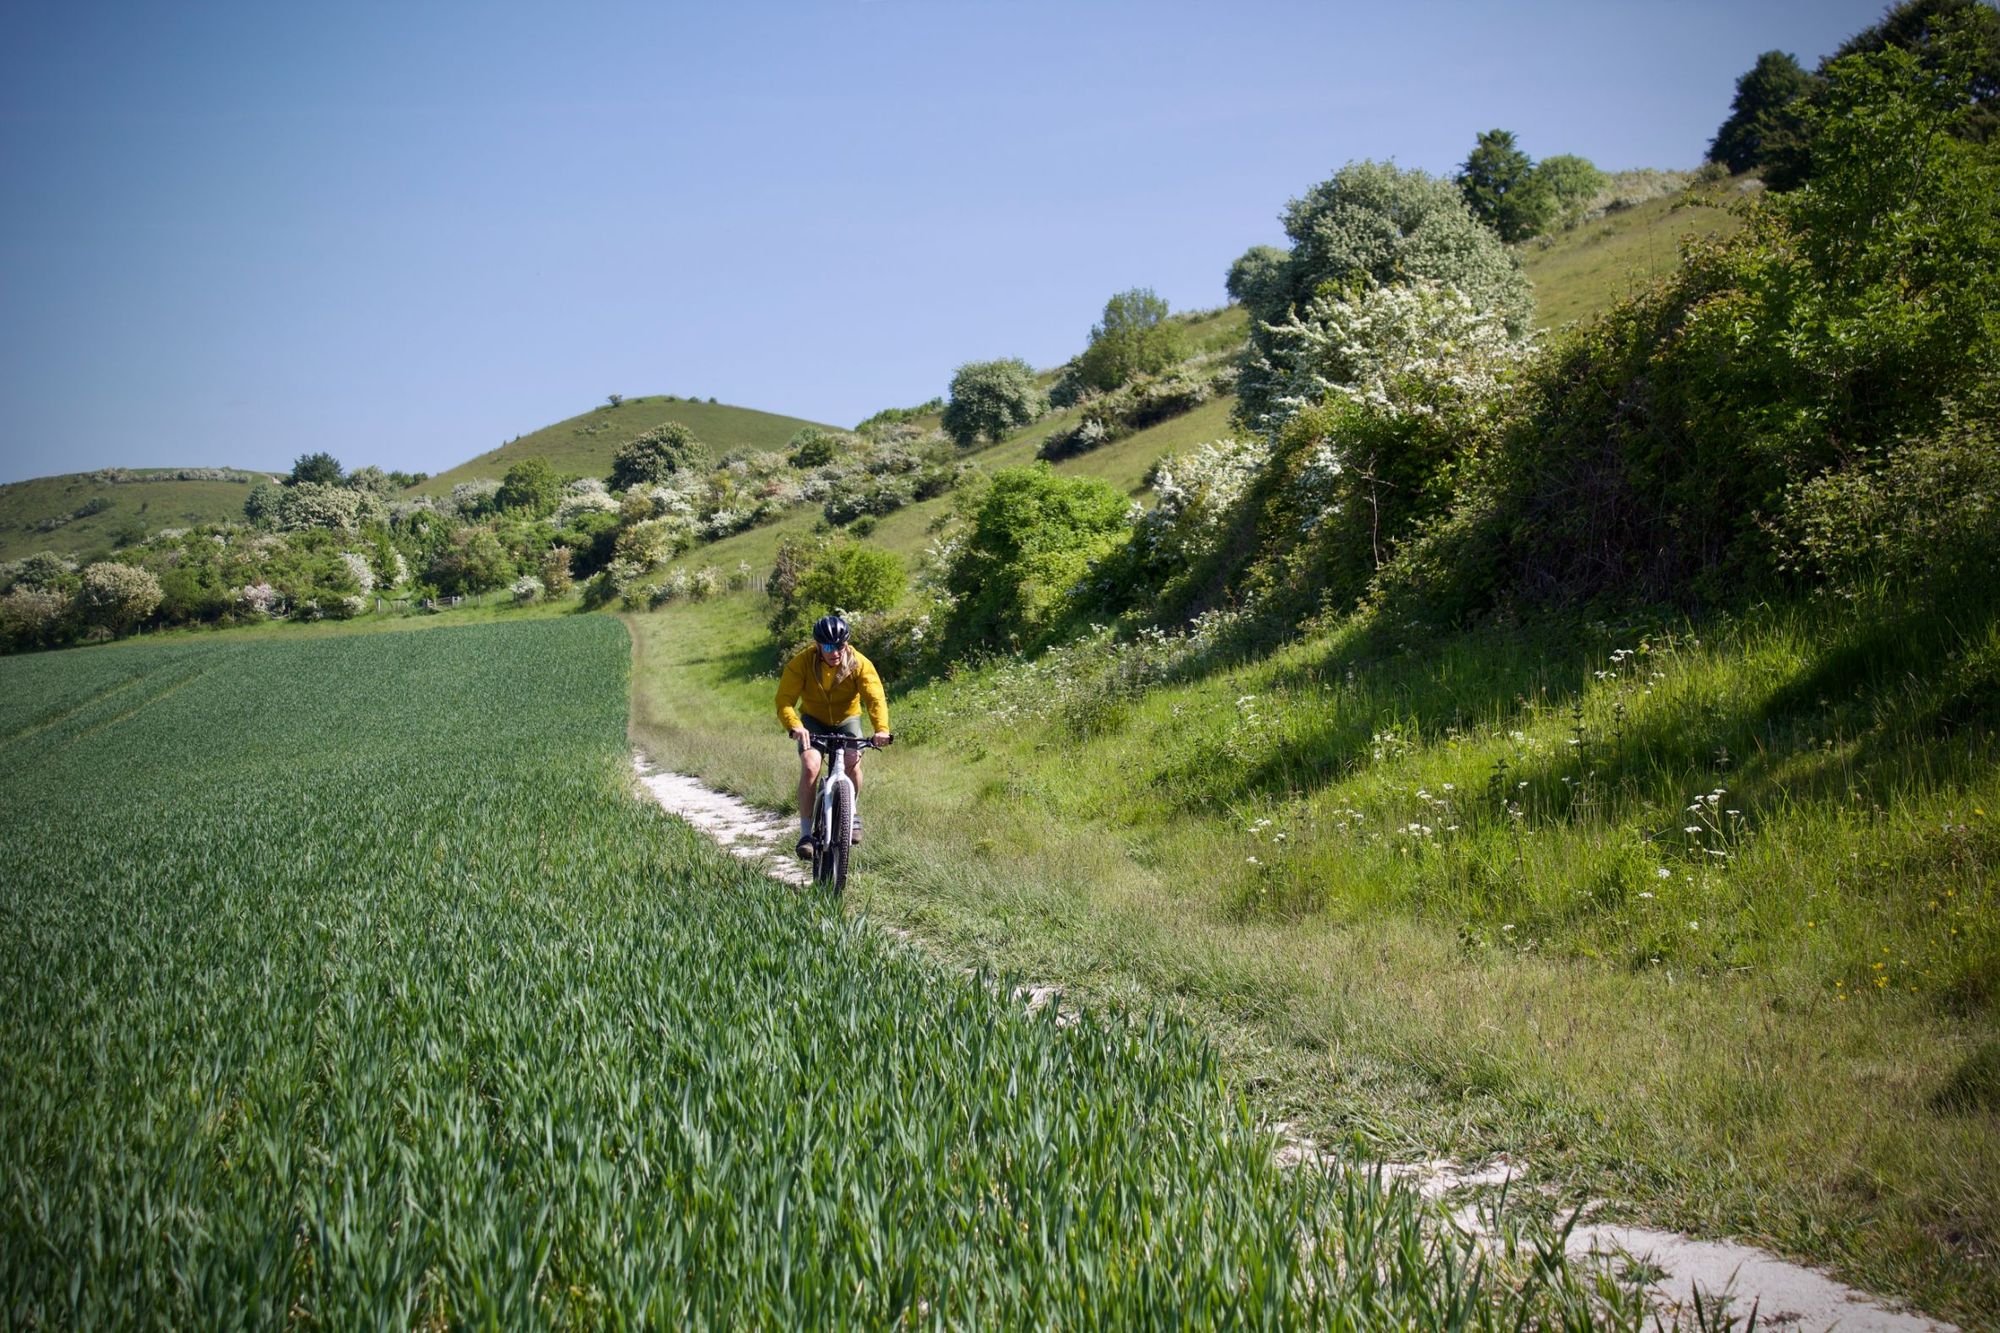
1663	873
1645	895
1251	860
1694	829
1694	925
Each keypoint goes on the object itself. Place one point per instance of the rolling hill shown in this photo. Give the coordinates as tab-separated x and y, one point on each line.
584	444
35	515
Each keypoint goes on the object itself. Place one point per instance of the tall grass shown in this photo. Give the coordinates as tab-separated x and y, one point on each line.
1701	918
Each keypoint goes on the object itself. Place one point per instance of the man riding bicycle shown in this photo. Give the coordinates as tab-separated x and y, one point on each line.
829	683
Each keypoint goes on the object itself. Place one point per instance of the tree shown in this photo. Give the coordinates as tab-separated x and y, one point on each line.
1571	182
42	571
1134	338
1499	184
1763	121
990	398
661	452
475	561
117	597
309	504
531	487
1256	276
321	469
1929	30
1375	221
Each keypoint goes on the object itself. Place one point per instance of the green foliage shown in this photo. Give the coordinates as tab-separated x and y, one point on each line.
1146	401
1957	41
1257	277
1134	338
371	479
812	447
311	504
41	570
990	398
557	577
473	562
1030	537
1375	221
1763	124
656	456
811	580
530	487
1572	183
320	469
1656	447
1502	189
264	504
117	597
897	416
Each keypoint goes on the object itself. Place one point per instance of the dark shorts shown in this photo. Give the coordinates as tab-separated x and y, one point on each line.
854	726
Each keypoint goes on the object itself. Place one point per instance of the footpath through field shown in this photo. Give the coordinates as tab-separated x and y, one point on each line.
1692	1275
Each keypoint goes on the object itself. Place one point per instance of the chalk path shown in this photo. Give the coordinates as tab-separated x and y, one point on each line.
1788	1297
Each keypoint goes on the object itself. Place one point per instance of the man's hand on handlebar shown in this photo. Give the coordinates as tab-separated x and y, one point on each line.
881	738
801	735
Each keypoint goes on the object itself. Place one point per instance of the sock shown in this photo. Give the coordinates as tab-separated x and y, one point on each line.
805	826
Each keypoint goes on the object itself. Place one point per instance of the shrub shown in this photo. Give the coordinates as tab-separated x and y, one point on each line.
990	398
556	576
1656	449
360	569
530	487
473	499
1572	183
263	504
31	617
658	455
526	589
1032	535
117	597
312	505
42	570
320	469
1133	338
1375	221
1257	277
843	575
474	561
812	447
704	583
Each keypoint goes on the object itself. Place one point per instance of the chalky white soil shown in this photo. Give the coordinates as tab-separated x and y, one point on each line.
1788	1297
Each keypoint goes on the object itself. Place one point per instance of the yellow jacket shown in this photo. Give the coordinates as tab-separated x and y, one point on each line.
810	681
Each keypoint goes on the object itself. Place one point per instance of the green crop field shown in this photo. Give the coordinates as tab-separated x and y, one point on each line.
132	510
345	983
585	444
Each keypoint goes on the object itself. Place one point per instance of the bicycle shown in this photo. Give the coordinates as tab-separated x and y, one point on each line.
833	809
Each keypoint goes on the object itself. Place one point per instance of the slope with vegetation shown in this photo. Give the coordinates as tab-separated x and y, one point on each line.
583	445
82	513
1588	752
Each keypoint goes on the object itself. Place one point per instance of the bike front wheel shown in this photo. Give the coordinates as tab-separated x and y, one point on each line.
840	838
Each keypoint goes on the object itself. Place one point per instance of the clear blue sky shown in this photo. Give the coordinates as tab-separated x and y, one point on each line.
405	232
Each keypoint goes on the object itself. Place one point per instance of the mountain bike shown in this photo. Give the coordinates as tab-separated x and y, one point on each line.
833	809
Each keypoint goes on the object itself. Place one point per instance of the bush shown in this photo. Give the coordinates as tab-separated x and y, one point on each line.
321	469
1032	536
1134	338
658	455
117	597
530	487
556	576
1257	277
526	589
990	398
1572	184
1374	221
1146	401
812	447
1658	450
309	504
31	617
844	575
473	562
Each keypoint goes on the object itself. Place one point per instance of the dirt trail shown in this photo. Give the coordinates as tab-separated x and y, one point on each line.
1788	1297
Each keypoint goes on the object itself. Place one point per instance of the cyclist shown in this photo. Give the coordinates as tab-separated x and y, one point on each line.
829	683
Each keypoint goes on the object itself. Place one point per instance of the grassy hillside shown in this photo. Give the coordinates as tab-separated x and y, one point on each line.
585	444
1581	273
132	510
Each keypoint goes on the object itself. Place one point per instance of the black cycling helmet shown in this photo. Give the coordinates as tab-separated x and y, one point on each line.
831	630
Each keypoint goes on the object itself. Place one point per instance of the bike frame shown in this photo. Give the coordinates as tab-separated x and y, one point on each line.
833	777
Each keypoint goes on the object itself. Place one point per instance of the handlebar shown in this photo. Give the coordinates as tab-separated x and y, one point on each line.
829	744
